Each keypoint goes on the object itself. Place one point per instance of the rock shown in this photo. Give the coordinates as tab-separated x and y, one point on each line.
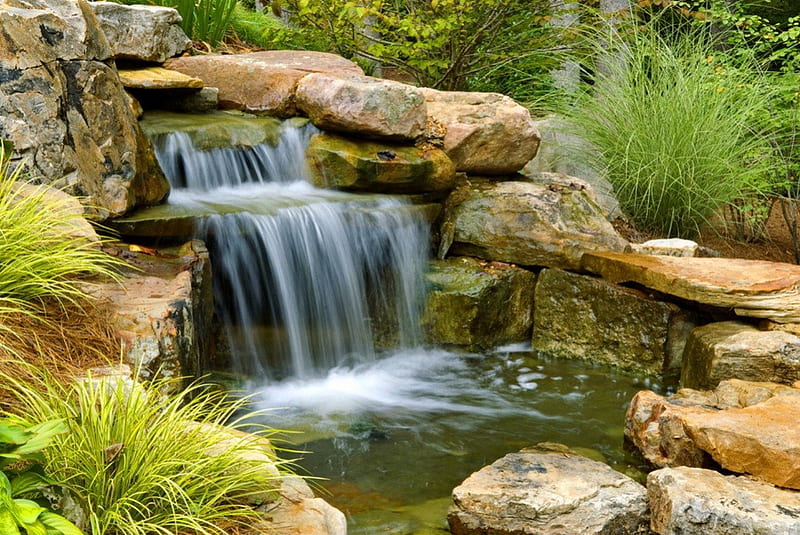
762	440
752	288
361	105
606	203
477	304
261	82
66	111
157	78
537	493
583	317
743	426
732	349
298	512
162	310
487	133
527	224
667	247
350	164
561	151
142	33
692	501
213	130
196	101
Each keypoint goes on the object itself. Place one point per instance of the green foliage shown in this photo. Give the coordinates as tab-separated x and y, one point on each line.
264	30
439	43
138	461
203	20
18	512
40	257
679	132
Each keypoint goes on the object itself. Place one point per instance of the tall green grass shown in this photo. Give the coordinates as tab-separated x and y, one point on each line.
139	462
678	130
203	20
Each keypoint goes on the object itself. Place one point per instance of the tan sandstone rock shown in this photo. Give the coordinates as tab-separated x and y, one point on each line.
752	288
362	105
261	82
157	78
486	133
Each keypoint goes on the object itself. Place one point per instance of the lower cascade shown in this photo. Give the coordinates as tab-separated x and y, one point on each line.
310	286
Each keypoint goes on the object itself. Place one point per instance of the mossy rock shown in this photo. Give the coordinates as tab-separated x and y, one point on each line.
219	129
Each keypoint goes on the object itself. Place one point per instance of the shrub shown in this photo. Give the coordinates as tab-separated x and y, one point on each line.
137	461
679	132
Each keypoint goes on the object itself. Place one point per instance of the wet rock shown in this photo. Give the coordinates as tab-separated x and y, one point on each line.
350	164
667	247
155	78
527	224
477	304
552	492
261	82
732	349
486	133
162	309
141	32
583	317
298	512
752	288
66	111
743	426
692	501
369	107
214	130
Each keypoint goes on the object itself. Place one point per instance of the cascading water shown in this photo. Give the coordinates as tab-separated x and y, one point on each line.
299	289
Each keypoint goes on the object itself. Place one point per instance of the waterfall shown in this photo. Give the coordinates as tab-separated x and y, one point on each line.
311	286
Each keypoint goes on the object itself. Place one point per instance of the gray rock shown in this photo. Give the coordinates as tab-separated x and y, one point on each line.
548	493
141	32
67	113
477	304
735	350
693	501
362	105
527	224
577	316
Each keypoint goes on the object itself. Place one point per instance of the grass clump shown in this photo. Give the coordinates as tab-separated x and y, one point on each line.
137	461
678	131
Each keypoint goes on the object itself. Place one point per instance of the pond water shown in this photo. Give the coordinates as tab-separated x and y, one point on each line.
392	438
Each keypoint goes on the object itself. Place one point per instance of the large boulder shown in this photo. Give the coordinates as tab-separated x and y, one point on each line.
536	492
142	33
527	224
66	111
752	288
261	82
578	316
692	501
358	165
745	427
477	304
162	309
361	105
732	349
486	133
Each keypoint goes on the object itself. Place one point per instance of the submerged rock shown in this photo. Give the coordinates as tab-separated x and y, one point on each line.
261	82
692	501
141	32
583	317
350	164
477	304
745	427
752	288
486	133
536	492
66	112
527	224
362	105
731	349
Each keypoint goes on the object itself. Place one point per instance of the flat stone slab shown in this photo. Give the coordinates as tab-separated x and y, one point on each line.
752	288
535	492
157	78
692	501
